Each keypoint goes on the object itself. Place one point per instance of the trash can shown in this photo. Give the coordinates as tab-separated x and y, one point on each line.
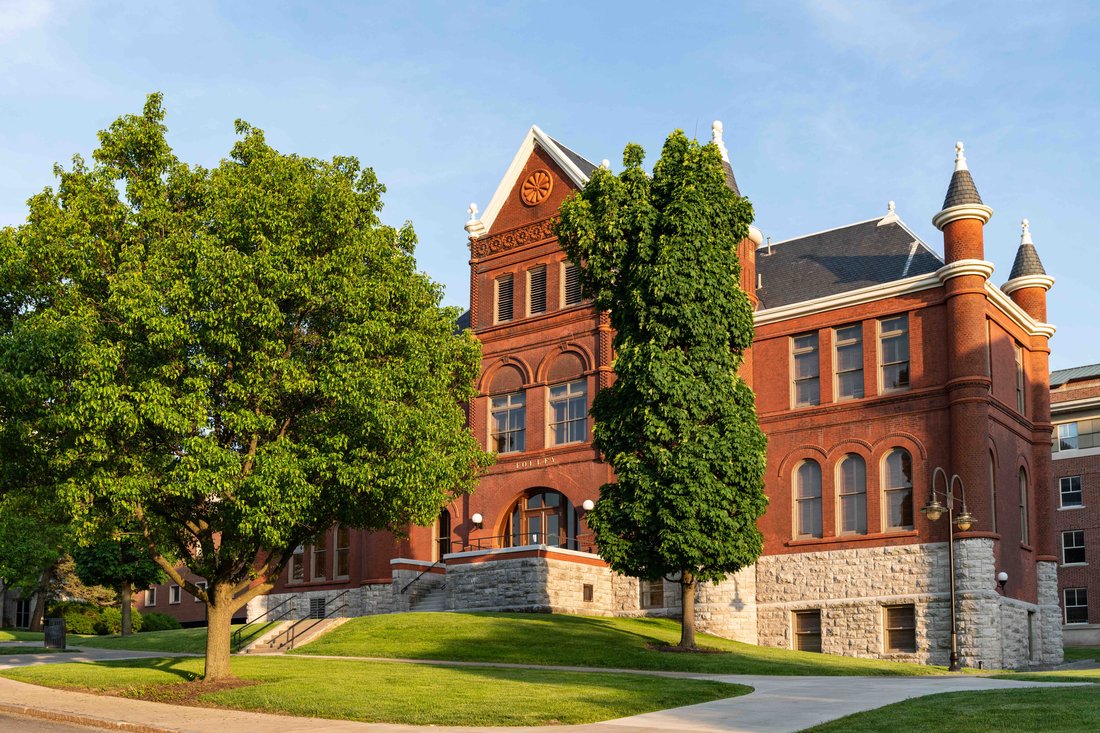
54	633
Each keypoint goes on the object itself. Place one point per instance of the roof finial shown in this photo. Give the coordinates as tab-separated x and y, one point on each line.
473	211
960	157
1025	232
605	164
890	208
716	137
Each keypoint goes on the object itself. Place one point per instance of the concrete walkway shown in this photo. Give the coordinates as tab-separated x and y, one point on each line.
778	705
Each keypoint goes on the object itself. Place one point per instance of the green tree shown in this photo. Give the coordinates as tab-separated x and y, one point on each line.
236	358
123	564
678	425
33	542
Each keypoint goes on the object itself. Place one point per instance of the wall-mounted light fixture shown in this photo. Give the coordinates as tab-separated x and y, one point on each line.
588	505
1002	578
477	519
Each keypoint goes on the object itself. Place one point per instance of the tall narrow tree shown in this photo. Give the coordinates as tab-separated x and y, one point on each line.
235	358
678	425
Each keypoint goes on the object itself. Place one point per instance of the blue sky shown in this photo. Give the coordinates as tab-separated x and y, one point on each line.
831	108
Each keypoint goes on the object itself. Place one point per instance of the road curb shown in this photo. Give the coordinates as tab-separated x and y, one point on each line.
59	716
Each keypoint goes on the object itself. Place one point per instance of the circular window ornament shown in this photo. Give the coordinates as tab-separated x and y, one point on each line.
536	188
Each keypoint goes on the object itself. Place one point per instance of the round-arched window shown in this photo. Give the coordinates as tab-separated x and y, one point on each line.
542	517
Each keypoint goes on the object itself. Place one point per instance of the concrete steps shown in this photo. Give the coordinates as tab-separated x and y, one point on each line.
292	634
434	601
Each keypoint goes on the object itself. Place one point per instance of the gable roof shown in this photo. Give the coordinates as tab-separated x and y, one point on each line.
1064	376
575	166
835	261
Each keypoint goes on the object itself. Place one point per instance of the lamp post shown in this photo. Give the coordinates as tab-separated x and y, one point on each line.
934	510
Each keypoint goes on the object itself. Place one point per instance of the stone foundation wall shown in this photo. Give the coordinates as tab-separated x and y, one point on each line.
404	595
366	600
1050	613
851	588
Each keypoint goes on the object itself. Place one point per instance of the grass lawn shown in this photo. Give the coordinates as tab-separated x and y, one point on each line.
1077	653
389	692
186	641
15	635
1006	711
578	641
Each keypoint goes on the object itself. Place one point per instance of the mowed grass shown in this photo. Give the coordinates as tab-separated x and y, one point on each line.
16	635
1078	653
182	641
391	692
1052	709
548	639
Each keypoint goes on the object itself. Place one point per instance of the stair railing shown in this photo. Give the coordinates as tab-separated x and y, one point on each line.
291	632
239	634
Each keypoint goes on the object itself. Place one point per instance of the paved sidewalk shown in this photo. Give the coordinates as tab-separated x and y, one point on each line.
778	705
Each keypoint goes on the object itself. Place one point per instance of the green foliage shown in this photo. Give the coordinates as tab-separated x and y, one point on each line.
113	562
110	621
156	621
33	537
87	618
236	357
679	426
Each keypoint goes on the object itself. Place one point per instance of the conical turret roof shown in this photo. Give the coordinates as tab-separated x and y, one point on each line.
1027	258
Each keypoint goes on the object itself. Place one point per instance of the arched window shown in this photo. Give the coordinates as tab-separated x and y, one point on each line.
443	534
808	499
1025	535
993	490
542	517
897	489
852	475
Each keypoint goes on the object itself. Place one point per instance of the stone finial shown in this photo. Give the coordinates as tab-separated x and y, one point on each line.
891	209
716	128
891	214
605	164
1025	232
960	157
472	209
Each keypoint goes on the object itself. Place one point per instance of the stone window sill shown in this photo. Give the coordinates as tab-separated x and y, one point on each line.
851	538
1074	565
1070	508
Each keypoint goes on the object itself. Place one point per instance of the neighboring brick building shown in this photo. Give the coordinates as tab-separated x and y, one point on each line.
876	363
1075	411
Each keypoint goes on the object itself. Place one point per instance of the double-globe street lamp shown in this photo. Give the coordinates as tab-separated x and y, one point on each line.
934	509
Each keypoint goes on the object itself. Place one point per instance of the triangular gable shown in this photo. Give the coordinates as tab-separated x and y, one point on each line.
535	137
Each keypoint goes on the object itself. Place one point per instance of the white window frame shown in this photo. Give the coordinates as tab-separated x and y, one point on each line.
1076	604
797	351
175	594
508	406
887	489
842	495
581	385
297	559
883	364
200	584
150	596
841	343
1062	491
1076	539
799	500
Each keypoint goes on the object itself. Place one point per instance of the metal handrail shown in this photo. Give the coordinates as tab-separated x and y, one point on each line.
531	539
421	575
291	632
238	635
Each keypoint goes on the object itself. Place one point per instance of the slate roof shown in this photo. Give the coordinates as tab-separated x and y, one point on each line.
586	166
839	260
1026	262
731	181
463	322
961	190
1063	376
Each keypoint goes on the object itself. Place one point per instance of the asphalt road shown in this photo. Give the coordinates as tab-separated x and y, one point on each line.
19	724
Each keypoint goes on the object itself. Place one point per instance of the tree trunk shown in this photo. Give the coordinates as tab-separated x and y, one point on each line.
219	619
687	623
3	605
125	594
39	614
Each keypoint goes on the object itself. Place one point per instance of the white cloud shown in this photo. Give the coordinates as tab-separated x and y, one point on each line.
19	16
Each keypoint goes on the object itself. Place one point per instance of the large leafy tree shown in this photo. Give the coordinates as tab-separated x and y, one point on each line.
122	563
678	425
234	358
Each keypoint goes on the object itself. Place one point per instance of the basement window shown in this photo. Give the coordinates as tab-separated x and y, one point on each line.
901	629
807	630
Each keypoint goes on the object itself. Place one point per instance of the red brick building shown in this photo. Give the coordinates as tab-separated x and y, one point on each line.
876	364
1075	408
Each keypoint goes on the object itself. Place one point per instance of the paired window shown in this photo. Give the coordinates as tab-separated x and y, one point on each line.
1025	533
807	370
1069	489
1020	401
201	584
653	593
536	290
808	499
568	413
151	597
174	594
852	480
570	284
893	337
898	489
1077	605
320	558
900	623
807	630
297	571
343	552
1073	547
502	306
1077	435
509	422
849	362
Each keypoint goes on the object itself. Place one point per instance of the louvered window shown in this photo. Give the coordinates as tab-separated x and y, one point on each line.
536	290
504	299
571	284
